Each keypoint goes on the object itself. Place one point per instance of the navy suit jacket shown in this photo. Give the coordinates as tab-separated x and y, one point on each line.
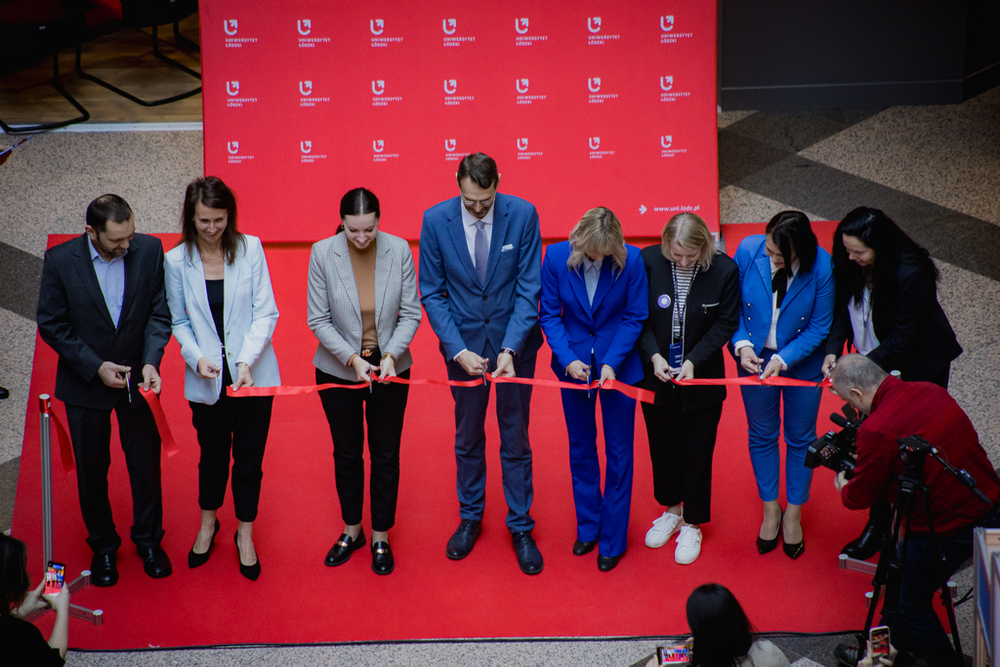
610	327
466	314
74	319
804	318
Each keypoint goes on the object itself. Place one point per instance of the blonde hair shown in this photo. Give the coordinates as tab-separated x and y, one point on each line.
600	233
690	232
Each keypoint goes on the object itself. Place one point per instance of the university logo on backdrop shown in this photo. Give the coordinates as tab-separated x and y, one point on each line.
666	23
307	99
666	82
522	150
309	156
232	28
377	26
235	156
522	144
233	99
381	99
233	147
595	38
450	86
450	39
667	148
594	144
378	86
521	85
306	147
305	27
522	38
380	154
232	88
449	26
594	24
451	152
522	97
596	96
306	88
521	26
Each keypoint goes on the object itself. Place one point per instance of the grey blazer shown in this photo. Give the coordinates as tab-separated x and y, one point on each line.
335	312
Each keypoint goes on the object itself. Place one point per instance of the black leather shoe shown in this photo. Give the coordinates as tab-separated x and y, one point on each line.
583	548
465	536
608	563
155	561
848	655
3	393
103	571
529	558
382	560
251	572
793	551
196	559
342	549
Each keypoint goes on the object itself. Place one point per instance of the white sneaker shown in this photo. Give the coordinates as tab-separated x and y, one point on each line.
663	528
688	545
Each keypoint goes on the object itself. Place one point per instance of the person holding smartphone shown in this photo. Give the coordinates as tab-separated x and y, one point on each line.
21	642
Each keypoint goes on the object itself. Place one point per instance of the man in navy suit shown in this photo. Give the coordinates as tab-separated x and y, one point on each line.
102	308
480	262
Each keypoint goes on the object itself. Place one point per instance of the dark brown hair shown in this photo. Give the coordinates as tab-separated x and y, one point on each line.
107	207
13	572
211	192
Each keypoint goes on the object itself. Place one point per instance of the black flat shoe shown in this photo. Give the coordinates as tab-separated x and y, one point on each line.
583	548
196	559
155	561
382	560
342	549
103	571
608	563
767	546
251	572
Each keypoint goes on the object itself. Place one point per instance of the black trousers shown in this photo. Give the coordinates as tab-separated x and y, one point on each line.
681	446
240	426
348	410
90	431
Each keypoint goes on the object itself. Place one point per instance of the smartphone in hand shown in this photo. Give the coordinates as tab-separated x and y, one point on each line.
55	578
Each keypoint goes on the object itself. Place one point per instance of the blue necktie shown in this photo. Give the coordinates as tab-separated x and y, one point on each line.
482	253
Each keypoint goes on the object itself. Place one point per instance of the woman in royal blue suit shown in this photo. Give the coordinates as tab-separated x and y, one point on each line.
593	305
787	289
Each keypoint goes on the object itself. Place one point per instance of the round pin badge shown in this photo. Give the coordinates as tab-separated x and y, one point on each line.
663	301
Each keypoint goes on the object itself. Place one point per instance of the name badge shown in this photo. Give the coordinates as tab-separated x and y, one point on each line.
675	356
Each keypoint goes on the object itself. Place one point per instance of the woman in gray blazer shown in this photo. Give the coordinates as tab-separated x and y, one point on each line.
223	311
364	309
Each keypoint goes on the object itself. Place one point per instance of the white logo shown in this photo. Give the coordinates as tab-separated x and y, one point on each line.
642	210
378	145
594	85
449	23
377	26
450	145
666	23
378	87
521	25
305	26
666	82
666	140
306	87
232	88
233	147
594	24
522	85
663	301
522	144
306	146
594	143
450	86
231	23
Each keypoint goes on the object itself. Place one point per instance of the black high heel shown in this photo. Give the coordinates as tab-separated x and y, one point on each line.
251	572
767	546
197	559
793	551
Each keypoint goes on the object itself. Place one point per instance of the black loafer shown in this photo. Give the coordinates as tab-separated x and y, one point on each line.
608	563
582	548
155	561
342	549
462	541
103	571
529	558
196	559
382	560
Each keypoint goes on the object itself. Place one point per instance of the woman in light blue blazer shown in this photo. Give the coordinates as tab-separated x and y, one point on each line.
593	305
786	308
223	311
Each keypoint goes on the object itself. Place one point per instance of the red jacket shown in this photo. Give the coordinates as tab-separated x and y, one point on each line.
901	409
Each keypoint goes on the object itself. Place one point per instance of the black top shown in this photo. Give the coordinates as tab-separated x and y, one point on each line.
217	301
23	644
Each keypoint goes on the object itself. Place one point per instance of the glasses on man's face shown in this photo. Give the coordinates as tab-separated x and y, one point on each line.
480	204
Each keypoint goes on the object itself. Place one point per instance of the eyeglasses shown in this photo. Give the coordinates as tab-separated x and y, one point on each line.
478	205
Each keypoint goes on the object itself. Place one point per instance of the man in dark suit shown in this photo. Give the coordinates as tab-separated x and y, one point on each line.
480	260
102	307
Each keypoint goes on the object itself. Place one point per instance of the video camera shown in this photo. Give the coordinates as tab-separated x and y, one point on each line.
836	449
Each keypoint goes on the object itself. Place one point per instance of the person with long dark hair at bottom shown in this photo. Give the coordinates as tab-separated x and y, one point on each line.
887	308
364	309
694	305
224	314
22	643
722	635
786	284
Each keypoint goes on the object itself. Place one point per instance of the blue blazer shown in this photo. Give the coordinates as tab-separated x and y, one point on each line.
804	318
465	313
610	327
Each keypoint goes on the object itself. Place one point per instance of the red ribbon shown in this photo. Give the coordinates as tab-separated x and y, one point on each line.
754	381
166	437
65	445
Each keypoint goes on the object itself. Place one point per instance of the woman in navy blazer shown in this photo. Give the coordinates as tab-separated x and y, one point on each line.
593	305
787	289
222	306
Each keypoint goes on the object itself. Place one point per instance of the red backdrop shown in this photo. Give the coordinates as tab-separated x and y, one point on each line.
582	104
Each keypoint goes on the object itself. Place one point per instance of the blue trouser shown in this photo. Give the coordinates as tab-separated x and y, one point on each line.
603	518
513	405
763	422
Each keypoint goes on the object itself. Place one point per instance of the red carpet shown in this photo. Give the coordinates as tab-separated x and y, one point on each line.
298	599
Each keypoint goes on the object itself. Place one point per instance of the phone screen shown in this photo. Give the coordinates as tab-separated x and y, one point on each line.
673	654
880	641
55	576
